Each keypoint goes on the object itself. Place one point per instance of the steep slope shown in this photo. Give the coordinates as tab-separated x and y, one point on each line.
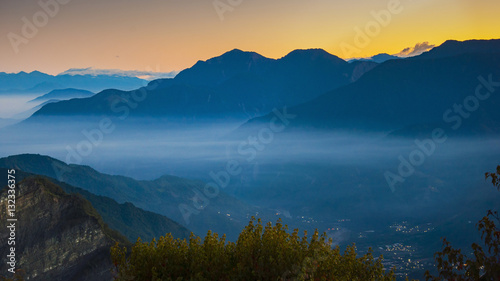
127	219
164	196
131	221
58	236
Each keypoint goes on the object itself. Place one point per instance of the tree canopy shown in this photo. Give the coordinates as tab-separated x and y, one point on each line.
262	252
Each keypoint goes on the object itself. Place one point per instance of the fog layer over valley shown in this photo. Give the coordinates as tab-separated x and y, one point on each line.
324	175
13	104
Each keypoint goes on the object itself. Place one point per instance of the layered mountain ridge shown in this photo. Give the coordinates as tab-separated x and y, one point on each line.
162	196
130	221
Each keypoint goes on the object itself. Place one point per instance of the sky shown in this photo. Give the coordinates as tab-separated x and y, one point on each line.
170	35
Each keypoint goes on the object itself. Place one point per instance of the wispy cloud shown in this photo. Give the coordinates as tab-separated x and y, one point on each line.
418	49
147	75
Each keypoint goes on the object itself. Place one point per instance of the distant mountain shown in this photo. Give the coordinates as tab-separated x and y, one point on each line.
22	80
408	92
58	236
63	94
162	196
236	84
380	58
37	82
147	75
43	87
125	218
452	48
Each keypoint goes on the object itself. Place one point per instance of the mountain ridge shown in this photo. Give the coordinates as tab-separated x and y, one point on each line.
163	196
236	84
129	220
422	90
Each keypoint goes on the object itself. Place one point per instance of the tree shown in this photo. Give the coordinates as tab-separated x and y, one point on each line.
485	262
261	252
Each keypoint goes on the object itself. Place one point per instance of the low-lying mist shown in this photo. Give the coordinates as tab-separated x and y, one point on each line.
354	182
285	168
13	104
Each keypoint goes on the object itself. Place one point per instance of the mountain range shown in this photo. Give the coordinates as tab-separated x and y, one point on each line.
236	85
327	92
146	75
40	83
416	92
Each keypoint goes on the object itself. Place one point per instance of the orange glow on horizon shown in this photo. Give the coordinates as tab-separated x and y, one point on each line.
173	35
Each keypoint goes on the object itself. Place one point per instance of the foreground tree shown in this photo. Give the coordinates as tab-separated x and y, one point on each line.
485	262
261	252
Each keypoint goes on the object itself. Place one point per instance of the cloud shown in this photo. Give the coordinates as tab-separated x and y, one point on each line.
418	49
147	75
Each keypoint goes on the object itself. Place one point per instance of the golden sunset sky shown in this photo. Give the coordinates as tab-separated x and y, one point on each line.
166	35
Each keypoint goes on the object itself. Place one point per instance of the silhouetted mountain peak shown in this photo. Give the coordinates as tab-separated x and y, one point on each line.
380	58
215	70
312	55
237	56
235	51
36	72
